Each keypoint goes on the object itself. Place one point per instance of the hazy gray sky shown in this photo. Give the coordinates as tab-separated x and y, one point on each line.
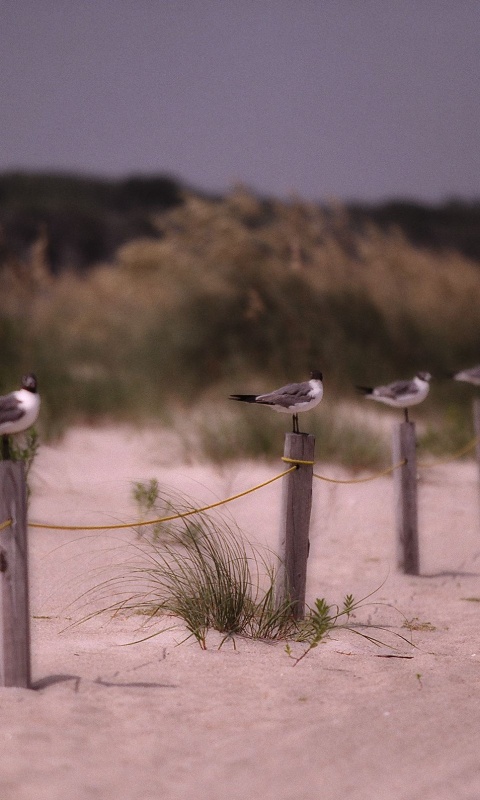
356	99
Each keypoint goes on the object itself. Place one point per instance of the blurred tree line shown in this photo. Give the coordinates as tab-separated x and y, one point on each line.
87	219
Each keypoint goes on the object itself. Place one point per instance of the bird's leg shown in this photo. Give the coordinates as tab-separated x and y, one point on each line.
295	423
406	414
5	447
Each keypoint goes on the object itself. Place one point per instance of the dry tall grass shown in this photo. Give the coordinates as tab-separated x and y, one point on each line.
236	295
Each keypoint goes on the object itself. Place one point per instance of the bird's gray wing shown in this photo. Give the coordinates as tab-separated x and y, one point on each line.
396	389
287	395
10	409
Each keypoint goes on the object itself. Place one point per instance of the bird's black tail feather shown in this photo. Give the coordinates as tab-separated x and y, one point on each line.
244	398
364	389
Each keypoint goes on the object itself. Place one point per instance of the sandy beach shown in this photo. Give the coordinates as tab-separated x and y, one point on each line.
111	720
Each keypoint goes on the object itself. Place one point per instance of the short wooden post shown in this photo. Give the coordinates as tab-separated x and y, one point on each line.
14	605
405	489
295	523
476	426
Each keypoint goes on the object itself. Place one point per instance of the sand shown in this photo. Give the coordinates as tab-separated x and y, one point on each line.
165	719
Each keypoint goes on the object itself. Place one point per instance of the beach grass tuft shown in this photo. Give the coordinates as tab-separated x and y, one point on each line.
201	573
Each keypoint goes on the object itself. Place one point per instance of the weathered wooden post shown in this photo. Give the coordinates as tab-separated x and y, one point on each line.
476	426
295	523
14	605
405	492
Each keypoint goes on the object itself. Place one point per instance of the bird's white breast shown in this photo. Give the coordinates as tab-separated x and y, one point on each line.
30	405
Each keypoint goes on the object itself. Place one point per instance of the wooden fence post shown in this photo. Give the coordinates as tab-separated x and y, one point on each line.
405	491
295	523
14	605
476	426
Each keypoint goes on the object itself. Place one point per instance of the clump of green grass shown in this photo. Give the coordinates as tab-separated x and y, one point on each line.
200	571
208	577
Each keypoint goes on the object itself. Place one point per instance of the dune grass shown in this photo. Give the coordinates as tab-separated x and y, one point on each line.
201	573
198	572
237	295
204	576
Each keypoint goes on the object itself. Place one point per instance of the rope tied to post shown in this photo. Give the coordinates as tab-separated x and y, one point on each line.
295	462
6	524
298	462
170	518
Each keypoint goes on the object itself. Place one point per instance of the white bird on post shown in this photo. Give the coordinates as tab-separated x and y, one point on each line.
18	411
400	394
290	399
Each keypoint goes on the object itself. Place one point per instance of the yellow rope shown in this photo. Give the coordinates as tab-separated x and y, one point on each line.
353	480
161	519
6	524
297	461
362	480
458	454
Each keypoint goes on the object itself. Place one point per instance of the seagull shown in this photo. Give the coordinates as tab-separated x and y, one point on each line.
468	375
290	399
400	394
18	410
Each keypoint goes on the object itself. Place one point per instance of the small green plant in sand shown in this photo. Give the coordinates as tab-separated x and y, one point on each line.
145	494
324	618
415	624
146	498
24	447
